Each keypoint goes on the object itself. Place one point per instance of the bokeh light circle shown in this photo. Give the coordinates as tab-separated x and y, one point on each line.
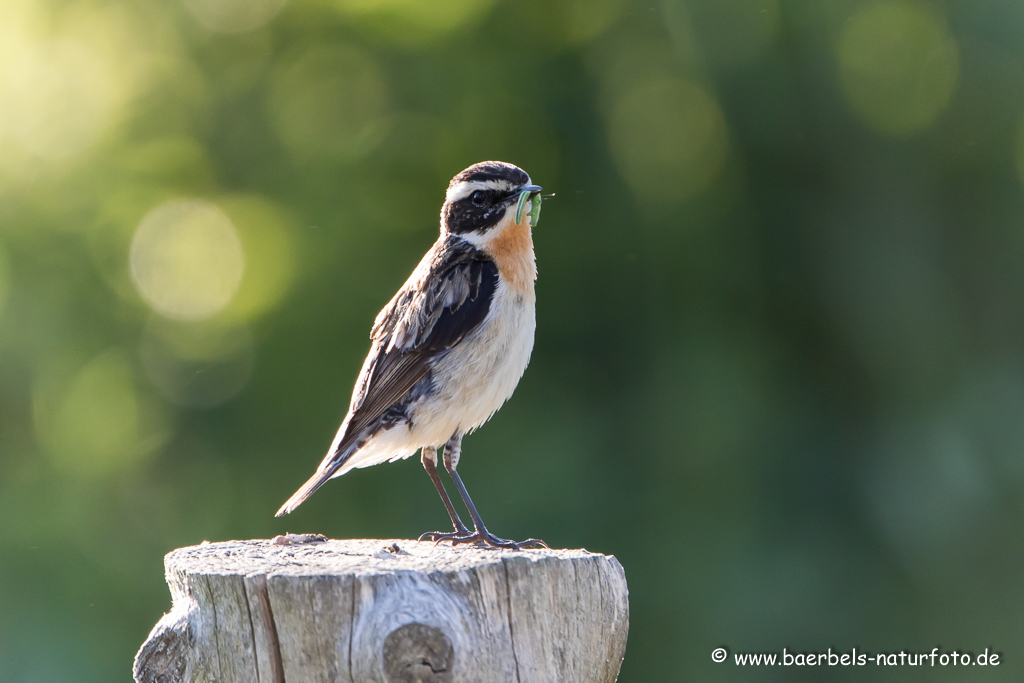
668	138
898	66
92	424
233	16
186	259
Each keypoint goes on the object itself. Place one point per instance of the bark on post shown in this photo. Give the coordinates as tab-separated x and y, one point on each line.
389	611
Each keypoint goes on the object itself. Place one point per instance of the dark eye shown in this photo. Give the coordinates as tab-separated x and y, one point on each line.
479	198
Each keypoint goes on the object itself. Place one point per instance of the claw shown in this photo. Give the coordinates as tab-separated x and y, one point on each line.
485	538
439	536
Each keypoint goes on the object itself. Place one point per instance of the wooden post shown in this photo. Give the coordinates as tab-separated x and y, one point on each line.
389	611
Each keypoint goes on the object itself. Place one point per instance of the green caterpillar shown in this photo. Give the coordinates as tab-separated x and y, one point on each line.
534	208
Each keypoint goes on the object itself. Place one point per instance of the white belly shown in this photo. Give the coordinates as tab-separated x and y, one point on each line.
481	372
476	377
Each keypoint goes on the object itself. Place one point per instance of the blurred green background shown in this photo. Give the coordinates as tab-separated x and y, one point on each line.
778	369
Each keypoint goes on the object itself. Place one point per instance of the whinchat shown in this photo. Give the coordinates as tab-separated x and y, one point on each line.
449	349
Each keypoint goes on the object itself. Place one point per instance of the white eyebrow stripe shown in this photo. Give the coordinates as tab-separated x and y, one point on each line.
466	187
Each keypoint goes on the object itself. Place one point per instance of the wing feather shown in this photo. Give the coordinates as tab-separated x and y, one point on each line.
437	307
447	297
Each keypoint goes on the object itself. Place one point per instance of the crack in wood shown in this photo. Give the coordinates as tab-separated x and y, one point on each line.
352	621
269	628
252	632
511	635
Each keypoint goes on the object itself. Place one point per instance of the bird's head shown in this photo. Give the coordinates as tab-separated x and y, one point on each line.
481	197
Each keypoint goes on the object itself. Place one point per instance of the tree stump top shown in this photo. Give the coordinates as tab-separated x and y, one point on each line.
356	557
307	610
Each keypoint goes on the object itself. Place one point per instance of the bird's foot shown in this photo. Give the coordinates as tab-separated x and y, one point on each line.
438	536
486	538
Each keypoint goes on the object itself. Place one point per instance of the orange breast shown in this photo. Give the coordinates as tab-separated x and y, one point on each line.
511	247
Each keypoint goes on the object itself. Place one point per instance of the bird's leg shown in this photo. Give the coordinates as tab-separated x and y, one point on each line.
452	451
428	456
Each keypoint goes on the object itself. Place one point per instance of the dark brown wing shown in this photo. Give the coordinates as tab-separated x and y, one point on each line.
437	307
447	296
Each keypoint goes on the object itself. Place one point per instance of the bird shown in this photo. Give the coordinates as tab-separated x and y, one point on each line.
450	347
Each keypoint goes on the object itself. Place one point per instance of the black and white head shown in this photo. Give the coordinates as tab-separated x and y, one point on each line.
480	197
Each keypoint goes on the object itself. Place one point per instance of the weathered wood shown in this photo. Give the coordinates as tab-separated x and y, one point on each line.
388	611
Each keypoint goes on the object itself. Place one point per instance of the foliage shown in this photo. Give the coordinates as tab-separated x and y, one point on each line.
778	369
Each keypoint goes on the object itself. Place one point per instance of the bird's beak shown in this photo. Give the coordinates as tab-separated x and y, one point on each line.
527	192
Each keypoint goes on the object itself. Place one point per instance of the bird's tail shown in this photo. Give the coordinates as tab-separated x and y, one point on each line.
304	492
328	468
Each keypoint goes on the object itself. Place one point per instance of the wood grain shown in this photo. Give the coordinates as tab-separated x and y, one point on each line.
389	611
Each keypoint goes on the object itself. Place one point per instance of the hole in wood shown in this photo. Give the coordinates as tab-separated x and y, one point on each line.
417	653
